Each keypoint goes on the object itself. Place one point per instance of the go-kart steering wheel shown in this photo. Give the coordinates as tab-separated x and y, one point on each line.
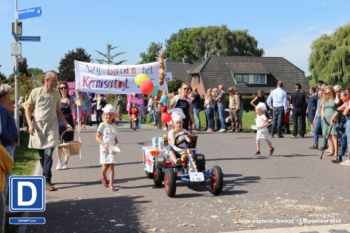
180	143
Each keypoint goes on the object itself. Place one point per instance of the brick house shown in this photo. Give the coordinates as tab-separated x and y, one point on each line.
247	73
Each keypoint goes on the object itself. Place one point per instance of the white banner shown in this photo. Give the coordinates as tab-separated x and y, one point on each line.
115	79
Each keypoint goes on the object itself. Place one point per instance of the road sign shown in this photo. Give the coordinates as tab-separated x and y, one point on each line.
16	49
29	38
29	13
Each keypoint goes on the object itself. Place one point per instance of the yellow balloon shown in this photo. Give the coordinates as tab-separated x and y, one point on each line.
140	78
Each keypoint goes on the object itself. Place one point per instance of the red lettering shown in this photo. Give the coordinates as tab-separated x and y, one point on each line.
85	79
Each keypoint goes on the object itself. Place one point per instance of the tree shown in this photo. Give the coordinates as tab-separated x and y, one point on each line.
66	67
109	57
180	44
151	54
330	57
215	39
199	43
3	76
174	85
32	72
23	67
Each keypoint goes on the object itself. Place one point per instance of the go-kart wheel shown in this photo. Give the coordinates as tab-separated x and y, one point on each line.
170	182
216	180
158	176
149	175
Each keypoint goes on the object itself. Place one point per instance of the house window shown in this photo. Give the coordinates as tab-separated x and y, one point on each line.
259	78
196	80
242	78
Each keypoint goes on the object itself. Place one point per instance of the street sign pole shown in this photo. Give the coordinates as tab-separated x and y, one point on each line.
16	77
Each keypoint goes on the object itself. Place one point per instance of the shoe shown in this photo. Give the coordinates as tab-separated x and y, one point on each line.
303	136
209	130
59	166
272	135
112	187
257	153
49	187
293	136
337	160
165	128
104	182
346	162
222	131
272	150
64	166
280	136
178	162
313	148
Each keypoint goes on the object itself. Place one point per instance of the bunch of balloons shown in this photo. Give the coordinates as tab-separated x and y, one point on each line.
145	84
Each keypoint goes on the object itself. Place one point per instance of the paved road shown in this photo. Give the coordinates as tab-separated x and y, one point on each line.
293	188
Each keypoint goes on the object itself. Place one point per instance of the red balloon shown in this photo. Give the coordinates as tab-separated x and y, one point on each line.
166	117
147	87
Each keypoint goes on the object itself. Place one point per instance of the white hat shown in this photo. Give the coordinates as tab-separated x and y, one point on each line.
261	106
176	117
109	108
179	112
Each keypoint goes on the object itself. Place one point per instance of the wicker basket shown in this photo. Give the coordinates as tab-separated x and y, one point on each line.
193	143
70	148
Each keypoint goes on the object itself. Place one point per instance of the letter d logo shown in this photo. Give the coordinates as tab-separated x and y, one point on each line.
27	194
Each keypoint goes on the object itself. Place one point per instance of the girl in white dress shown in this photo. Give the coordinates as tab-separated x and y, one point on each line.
107	136
262	130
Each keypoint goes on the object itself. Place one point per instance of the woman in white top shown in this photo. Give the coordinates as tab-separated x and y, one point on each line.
209	110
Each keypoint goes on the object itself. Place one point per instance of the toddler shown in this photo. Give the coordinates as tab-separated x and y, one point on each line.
262	131
174	151
107	136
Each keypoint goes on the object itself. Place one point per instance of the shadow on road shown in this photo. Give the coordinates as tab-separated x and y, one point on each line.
91	215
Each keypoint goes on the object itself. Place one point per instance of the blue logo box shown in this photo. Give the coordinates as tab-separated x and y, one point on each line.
27	194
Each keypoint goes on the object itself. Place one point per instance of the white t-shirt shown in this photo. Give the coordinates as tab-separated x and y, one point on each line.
260	121
172	136
109	133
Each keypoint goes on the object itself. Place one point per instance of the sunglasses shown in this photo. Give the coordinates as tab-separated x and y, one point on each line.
186	88
327	93
63	88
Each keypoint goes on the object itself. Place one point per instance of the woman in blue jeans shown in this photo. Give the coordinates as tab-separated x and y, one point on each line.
318	123
209	110
9	135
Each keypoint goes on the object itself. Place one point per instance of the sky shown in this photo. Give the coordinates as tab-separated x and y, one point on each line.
282	28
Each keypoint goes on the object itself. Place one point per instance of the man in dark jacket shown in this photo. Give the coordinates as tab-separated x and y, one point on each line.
298	102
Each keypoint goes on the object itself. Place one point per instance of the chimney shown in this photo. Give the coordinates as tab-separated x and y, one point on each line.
220	54
185	60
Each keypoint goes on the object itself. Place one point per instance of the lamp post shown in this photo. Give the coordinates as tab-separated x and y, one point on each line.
16	65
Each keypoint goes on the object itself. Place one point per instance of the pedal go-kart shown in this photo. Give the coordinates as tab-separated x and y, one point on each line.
158	166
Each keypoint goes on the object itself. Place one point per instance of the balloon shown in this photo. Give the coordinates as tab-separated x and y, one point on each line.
140	78
147	87
166	117
155	90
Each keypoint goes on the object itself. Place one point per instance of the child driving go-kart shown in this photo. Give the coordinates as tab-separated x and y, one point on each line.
134	116
177	136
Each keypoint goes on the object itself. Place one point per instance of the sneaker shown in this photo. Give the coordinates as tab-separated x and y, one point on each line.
272	150
59	166
257	152
222	131
165	128
64	166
